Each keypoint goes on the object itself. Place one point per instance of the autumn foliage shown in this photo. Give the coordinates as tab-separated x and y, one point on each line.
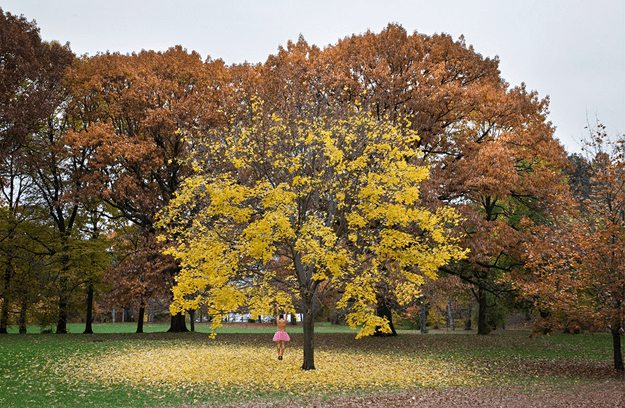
305	205
341	175
577	278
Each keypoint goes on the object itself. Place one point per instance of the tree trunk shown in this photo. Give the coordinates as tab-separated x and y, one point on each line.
482	324
616	344
4	315
293	319
140	319
178	324
450	313
385	311
128	314
21	320
423	321
61	325
89	319
64	295
309	345
192	319
468	321
4	311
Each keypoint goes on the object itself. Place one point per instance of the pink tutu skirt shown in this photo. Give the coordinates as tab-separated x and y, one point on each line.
281	335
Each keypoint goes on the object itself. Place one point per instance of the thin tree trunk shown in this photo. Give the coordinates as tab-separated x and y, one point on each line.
192	319
89	319
130	314
423	321
293	321
4	315
61	325
482	300
450	313
616	344
21	320
140	319
4	311
64	295
309	345
468	321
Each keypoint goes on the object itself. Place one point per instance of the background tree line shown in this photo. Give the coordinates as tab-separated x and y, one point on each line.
93	148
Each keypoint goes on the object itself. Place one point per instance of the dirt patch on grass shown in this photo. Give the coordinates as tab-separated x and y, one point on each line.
598	395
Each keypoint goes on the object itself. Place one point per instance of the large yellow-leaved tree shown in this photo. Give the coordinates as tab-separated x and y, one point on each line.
285	208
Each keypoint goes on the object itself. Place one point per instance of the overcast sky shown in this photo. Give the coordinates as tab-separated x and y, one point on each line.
571	50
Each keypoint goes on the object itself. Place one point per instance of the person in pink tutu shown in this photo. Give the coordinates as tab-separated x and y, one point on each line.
281	335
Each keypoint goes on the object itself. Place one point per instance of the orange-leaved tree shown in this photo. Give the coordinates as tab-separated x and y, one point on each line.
489	147
578	263
136	112
491	150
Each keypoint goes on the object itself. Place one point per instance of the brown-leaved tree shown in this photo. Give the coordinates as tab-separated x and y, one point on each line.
578	264
137	111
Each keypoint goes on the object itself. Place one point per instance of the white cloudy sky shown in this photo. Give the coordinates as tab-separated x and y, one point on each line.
571	50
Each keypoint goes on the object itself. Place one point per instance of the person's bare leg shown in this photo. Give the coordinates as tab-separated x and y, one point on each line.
278	348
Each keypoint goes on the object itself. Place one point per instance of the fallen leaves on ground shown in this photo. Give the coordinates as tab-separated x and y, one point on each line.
245	367
606	394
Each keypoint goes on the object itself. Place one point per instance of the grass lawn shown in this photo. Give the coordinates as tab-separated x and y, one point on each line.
118	328
117	368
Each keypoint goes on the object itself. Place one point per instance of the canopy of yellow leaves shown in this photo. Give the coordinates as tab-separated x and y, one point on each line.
292	207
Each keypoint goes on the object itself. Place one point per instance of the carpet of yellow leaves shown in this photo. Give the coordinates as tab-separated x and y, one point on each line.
220	366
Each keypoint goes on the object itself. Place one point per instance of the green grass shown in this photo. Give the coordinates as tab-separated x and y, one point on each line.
34	370
119	328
